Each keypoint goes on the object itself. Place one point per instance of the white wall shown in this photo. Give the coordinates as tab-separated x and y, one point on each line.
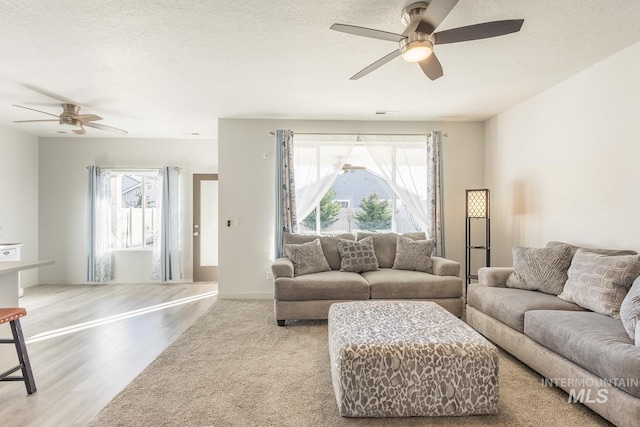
247	190
63	196
19	196
564	164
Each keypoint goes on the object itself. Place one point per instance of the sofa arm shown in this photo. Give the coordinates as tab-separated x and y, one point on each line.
282	267
445	267
494	276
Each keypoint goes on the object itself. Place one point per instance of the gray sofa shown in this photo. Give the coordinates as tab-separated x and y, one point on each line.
309	296
589	355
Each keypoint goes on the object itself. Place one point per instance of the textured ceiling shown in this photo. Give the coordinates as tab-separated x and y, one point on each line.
161	68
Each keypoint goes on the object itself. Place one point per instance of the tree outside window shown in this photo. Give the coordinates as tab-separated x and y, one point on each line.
329	211
374	214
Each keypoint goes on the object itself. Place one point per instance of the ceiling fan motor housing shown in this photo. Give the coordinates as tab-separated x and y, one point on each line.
413	12
411	16
67	117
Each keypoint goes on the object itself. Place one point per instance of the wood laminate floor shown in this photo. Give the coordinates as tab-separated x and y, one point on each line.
87	342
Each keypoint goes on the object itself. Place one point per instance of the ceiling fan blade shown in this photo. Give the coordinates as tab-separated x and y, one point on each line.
379	63
80	131
35	121
103	127
49	93
87	117
368	32
33	109
435	14
432	67
479	31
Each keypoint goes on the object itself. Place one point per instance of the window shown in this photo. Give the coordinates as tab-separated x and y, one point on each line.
359	199
135	217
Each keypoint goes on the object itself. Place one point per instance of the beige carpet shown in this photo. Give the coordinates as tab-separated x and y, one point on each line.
235	367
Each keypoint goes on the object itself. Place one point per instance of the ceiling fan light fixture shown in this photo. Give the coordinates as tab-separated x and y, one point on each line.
417	50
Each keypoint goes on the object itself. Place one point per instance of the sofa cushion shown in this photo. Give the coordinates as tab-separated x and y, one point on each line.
357	256
540	269
509	305
600	282
414	255
630	309
404	284
385	245
329	245
593	341
338	285
306	257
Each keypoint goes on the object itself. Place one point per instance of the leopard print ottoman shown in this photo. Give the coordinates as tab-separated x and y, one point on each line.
409	358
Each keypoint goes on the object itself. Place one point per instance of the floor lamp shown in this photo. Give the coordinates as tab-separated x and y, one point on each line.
477	207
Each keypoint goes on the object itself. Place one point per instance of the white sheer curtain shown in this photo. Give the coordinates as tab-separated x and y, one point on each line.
406	163
167	251
318	160
402	160
99	225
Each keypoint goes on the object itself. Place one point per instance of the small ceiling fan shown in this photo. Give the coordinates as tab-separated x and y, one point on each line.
417	40
71	117
348	167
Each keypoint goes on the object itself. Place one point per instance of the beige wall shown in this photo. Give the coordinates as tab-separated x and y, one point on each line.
247	190
63	197
19	196
564	164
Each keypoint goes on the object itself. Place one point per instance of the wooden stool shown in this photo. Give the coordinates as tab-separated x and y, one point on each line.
13	315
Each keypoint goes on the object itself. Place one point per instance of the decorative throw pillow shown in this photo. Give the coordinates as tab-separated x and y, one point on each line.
329	245
543	269
307	258
599	282
385	245
357	256
414	255
630	309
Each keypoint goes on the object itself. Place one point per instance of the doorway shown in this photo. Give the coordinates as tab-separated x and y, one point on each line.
205	227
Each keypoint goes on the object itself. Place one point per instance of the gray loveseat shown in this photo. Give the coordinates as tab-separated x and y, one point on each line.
309	296
587	354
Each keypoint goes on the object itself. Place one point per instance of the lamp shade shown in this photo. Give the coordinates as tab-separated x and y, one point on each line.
478	203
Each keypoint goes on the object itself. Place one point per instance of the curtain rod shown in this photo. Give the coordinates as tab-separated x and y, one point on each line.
361	134
135	169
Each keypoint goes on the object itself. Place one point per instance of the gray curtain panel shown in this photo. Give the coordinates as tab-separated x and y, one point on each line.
434	185
286	218
168	252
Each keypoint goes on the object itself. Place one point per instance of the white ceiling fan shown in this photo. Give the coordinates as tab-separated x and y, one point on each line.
71	117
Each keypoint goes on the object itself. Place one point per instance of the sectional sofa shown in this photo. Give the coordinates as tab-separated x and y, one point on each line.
309	295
